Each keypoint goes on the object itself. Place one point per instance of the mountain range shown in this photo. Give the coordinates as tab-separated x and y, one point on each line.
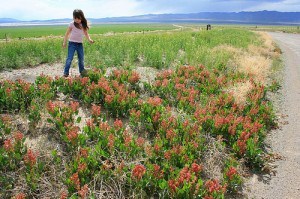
257	17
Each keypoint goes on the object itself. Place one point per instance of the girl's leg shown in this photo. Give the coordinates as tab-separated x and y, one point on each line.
80	55
71	51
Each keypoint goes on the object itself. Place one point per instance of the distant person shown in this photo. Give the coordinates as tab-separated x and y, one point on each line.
75	32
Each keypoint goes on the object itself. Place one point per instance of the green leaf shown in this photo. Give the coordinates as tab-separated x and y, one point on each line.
163	184
49	120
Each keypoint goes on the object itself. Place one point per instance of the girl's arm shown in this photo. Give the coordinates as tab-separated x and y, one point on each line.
67	36
88	36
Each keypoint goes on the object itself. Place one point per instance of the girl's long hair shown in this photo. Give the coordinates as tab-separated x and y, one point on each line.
77	13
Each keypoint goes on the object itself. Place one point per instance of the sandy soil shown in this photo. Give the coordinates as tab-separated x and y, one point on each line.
284	141
30	74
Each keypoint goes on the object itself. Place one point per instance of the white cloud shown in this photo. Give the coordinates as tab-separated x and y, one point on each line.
53	9
283	6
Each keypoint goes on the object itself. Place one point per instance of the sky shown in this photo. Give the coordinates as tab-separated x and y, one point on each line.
55	9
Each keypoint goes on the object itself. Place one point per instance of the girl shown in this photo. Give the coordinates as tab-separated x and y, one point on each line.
75	32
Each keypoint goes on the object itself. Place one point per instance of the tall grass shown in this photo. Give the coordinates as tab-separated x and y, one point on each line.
18	54
21	32
159	49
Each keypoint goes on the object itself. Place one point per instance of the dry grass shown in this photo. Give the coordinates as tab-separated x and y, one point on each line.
268	49
256	62
257	67
214	157
232	50
240	91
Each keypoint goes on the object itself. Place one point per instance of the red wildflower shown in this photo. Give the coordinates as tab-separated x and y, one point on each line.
8	146
184	175
213	185
75	180
135	77
127	138
18	136
30	158
177	149
231	172
81	167
173	185
170	134
63	194
168	155
96	110
135	113
111	141
109	98
156	116
72	134
83	191
84	81
156	148
20	196
90	123
138	171
155	101
165	83
8	91
50	107
196	168
74	106
118	124
84	152
157	172
242	146
140	141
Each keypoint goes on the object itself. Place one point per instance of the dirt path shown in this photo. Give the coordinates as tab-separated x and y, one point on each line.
30	74
286	140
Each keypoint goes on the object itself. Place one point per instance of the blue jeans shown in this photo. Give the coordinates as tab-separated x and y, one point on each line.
72	47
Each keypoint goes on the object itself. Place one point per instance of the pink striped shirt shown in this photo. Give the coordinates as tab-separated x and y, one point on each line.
76	34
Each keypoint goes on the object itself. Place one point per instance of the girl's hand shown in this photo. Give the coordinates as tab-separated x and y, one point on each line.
64	45
91	41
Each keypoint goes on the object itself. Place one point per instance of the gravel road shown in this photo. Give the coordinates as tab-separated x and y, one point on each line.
286	140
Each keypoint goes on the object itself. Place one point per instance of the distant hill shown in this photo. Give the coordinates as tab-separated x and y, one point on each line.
8	20
257	17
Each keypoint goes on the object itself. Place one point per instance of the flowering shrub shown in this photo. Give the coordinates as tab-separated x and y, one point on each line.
45	88
11	155
15	95
34	168
4	127
160	152
72	86
12	151
119	100
149	114
34	115
63	116
231	176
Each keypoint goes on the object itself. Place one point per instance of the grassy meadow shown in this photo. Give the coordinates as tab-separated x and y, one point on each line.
194	130
21	32
156	49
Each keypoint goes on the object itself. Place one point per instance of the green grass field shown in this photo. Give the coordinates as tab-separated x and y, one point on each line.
21	32
158	49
